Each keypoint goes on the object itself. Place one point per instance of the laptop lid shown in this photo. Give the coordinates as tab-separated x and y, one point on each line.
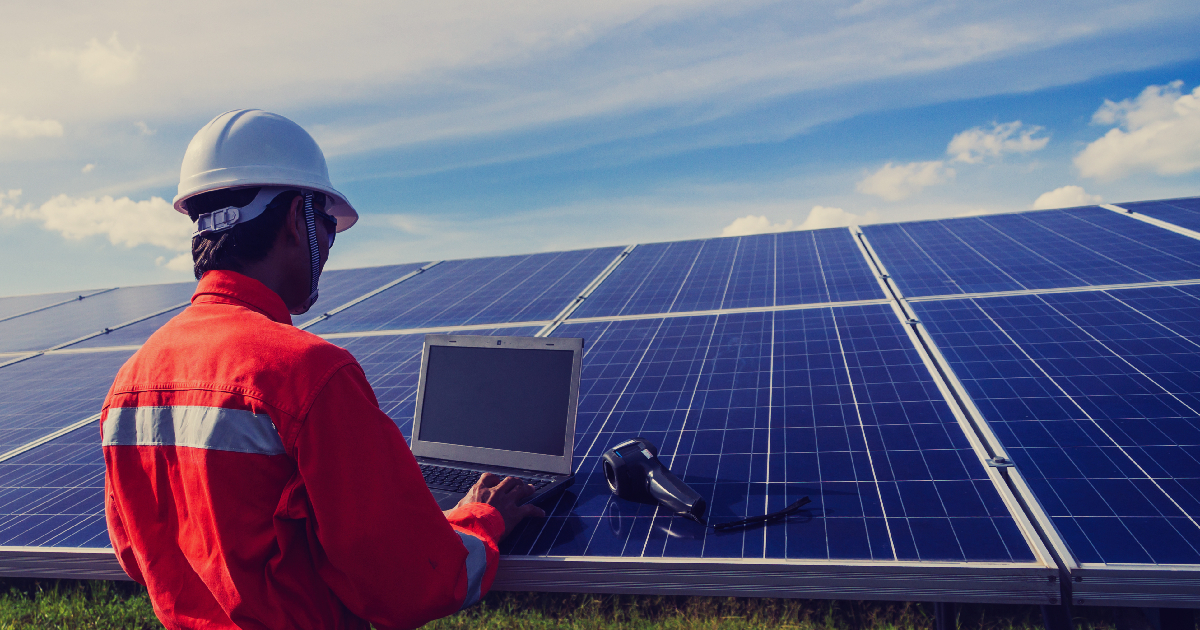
503	401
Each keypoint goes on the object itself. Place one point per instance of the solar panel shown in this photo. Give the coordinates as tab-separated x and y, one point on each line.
52	391
754	410
53	496
1032	250
723	273
17	306
64	323
478	291
339	286
757	408
1182	212
131	335
1095	398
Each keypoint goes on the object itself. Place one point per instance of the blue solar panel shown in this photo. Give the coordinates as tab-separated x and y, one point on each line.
823	266
1097	405
47	393
755	410
14	306
60	324
722	273
1182	212
339	286
131	335
478	291
1034	250
53	496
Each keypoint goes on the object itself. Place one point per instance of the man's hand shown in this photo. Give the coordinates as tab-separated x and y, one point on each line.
503	494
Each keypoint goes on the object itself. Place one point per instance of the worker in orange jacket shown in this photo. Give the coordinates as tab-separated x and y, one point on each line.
251	480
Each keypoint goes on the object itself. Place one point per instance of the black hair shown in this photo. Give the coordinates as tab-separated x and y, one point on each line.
243	243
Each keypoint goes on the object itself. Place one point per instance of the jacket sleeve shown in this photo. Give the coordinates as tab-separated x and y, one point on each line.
381	542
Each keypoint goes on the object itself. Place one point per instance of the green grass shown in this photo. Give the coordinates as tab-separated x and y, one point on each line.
63	604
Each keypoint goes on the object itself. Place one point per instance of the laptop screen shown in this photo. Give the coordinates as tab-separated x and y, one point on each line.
497	398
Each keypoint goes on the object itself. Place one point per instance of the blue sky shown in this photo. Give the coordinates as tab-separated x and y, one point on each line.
467	128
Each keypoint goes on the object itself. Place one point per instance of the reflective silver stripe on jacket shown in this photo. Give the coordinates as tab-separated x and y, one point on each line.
476	567
211	428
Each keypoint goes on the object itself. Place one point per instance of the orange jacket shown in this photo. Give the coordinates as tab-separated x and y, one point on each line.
252	481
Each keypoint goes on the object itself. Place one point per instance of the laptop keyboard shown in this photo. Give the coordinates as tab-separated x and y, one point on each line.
461	479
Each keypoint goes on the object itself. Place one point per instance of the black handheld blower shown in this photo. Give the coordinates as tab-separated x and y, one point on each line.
634	473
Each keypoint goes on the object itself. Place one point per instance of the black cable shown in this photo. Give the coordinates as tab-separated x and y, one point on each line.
765	518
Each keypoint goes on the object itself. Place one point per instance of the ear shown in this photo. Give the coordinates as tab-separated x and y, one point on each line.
294	228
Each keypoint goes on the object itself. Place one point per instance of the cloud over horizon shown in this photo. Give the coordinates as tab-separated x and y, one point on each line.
1065	197
1157	131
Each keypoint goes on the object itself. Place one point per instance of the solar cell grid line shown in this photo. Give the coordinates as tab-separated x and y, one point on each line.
1140	251
392	364
53	496
50	392
1182	212
1097	407
752	277
912	267
846	275
709	277
74	320
338	286
714	402
25	305
647	282
477	291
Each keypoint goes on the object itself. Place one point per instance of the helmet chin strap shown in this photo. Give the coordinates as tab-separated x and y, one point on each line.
310	222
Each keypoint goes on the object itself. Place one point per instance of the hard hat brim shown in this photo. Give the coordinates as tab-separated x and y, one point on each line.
239	177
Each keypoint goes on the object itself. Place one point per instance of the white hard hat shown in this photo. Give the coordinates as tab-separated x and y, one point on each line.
250	147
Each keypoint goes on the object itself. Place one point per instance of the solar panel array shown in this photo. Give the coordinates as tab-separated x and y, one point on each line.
976	406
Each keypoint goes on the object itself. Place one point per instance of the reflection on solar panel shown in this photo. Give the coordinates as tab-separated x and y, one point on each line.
477	291
1032	250
339	286
766	368
47	393
724	273
60	324
1097	403
1182	212
18	306
132	335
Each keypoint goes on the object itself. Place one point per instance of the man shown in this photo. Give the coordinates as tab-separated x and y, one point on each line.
251	479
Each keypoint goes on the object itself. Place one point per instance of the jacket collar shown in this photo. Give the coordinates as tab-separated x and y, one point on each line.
230	287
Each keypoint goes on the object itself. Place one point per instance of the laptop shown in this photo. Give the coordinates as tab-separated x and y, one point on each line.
504	405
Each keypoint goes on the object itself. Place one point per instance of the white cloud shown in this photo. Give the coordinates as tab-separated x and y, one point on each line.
1065	197
144	128
124	221
106	63
21	127
87	168
751	224
818	218
1158	131
182	262
975	144
894	182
